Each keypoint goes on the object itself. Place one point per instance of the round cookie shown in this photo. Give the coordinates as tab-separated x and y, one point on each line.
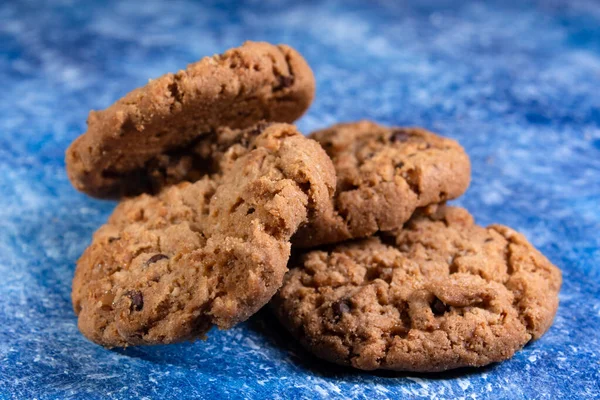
441	293
166	268
128	147
383	175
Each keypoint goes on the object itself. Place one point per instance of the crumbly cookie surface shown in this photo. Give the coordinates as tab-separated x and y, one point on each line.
384	174
129	147
441	293
166	268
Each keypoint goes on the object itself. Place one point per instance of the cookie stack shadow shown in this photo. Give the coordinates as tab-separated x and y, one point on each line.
217	187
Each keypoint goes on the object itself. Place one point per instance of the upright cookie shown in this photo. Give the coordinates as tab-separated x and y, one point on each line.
384	174
166	268
441	293
129	148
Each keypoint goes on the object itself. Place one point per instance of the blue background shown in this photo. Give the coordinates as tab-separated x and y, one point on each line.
517	83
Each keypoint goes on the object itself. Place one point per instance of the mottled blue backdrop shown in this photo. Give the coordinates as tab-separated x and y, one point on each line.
517	83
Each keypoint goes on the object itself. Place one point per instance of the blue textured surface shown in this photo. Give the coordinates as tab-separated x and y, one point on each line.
518	85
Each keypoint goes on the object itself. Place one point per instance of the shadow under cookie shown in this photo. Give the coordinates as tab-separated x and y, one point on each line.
266	324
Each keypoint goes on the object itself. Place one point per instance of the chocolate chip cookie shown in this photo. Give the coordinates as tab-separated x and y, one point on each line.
135	145
384	174
166	268
440	293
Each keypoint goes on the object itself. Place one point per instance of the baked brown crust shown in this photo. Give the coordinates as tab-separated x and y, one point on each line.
166	268
384	175
441	293
128	147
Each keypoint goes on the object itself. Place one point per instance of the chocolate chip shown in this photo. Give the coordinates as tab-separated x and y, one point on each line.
137	300
155	258
400	165
285	82
340	307
113	238
438	307
399	135
412	178
255	131
250	211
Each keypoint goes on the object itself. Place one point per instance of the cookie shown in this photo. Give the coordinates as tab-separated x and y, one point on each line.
166	268
130	147
441	293
384	174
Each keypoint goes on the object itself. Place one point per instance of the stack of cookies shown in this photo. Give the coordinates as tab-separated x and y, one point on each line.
217	188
